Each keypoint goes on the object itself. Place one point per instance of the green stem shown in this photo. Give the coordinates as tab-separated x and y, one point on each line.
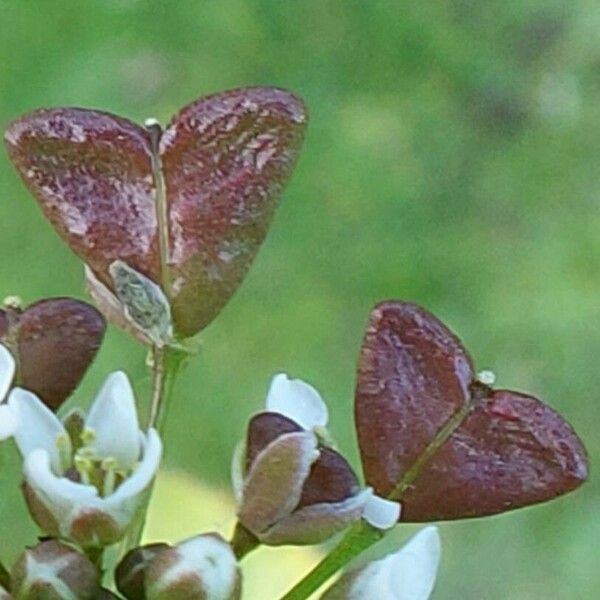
96	556
162	217
357	539
362	535
243	541
166	365
4	577
438	441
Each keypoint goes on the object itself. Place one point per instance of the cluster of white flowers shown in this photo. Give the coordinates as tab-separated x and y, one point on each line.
86	489
86	477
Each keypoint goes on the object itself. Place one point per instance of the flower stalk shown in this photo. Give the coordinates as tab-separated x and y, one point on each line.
358	538
166	364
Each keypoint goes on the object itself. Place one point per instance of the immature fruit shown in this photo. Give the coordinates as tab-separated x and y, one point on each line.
221	164
508	449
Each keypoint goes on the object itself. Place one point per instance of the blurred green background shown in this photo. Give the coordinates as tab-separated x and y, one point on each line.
451	159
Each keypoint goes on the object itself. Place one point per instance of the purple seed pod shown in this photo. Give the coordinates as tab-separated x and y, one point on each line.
204	190
507	450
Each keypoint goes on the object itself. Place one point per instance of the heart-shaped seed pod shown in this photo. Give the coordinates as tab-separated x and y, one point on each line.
187	207
498	449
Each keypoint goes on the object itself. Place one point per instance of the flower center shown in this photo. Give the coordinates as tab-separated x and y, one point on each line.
80	462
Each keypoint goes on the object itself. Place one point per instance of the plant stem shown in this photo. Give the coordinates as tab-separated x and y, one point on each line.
162	218
166	364
4	577
358	538
362	535
243	541
96	556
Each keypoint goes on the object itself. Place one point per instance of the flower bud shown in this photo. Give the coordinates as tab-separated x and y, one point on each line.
201	568
54	341
53	571
131	571
292	488
408	574
4	595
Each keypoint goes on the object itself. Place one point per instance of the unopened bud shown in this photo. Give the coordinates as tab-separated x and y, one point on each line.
4	595
54	571
292	489
131	571
196	569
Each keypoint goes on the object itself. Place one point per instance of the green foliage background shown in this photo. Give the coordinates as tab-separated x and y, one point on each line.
451	160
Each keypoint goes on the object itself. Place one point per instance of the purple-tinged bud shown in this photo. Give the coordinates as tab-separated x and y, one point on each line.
54	571
291	487
53	341
201	568
131	571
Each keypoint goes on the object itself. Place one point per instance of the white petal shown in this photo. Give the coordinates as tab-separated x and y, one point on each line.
408	574
62	497
132	487
113	418
238	470
381	513
8	421
38	426
298	401
67	500
7	371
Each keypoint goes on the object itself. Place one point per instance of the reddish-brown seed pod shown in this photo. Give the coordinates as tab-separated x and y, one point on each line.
510	450
92	175
223	160
54	341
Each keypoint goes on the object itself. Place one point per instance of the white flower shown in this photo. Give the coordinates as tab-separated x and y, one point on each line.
300	402
86	490
408	574
8	418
